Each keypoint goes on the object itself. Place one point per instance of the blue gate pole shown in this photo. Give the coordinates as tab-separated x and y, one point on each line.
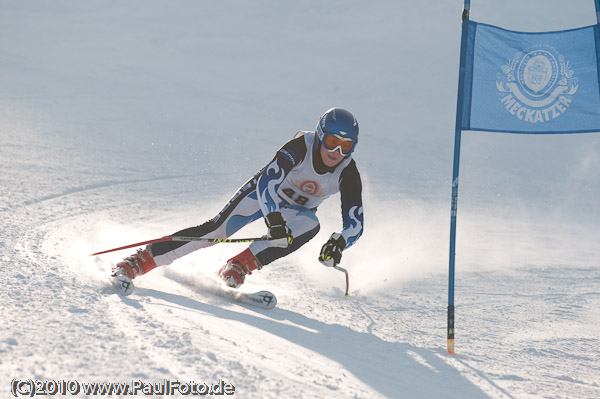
467	9
455	170
597	2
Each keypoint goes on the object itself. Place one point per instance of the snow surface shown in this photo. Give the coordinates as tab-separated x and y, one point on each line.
123	121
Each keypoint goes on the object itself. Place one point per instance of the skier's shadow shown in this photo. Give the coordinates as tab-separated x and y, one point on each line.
394	369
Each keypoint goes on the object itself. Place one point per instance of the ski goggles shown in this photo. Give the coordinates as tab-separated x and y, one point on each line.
333	142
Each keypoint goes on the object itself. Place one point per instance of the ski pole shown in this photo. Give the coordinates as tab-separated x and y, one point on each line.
180	238
347	283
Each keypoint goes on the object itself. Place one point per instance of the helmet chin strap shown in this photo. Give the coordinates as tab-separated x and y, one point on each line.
318	163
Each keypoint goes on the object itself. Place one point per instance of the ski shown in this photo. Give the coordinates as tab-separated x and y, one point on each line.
261	299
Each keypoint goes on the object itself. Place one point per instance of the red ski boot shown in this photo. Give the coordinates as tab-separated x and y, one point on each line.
236	268
135	265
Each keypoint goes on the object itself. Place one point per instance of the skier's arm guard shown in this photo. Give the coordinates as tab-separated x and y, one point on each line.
352	209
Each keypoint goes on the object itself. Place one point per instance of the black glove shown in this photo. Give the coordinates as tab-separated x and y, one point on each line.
331	253
279	234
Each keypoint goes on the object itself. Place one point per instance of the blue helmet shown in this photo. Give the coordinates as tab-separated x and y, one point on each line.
340	123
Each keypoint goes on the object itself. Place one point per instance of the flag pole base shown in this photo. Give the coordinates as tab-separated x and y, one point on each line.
450	343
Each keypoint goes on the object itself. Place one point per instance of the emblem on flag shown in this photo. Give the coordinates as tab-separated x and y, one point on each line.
537	85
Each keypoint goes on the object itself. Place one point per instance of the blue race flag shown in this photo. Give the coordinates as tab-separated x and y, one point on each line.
521	82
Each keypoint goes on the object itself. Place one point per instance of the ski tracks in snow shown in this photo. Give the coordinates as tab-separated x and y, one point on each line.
524	334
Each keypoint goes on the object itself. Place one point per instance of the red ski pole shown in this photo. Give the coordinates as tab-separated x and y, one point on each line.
180	238
347	282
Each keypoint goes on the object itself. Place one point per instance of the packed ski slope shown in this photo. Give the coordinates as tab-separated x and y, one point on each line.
126	121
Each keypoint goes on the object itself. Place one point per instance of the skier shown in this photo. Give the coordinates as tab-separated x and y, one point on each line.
286	193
